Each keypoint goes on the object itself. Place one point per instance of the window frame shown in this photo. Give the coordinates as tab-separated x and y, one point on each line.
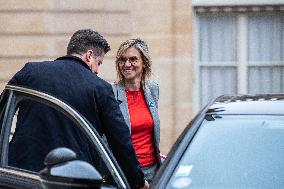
242	62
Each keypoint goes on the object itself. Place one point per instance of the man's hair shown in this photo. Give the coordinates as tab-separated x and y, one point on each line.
142	47
87	39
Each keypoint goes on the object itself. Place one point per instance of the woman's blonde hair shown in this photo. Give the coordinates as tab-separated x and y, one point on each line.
142	47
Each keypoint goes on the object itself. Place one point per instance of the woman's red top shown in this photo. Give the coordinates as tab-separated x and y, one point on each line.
142	127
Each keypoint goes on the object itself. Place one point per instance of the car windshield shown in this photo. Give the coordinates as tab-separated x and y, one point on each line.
240	151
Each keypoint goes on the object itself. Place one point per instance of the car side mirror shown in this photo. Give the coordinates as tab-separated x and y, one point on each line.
63	170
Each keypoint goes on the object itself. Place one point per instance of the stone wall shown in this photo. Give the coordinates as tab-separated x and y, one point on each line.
33	30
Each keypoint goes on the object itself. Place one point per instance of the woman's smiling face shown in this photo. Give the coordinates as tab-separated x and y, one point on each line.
131	64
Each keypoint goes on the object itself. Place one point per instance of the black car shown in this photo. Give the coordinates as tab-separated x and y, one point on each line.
63	169
235	142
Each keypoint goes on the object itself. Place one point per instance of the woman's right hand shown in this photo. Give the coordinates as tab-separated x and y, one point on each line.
146	185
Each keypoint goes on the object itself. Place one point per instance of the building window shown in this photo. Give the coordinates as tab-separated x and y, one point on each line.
266	53
239	53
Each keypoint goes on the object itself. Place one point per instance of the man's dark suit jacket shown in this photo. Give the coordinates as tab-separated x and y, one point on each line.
69	79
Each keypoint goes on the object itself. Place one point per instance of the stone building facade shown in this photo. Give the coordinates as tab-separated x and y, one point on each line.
33	30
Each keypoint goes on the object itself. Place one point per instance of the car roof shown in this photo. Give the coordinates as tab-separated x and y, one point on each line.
266	104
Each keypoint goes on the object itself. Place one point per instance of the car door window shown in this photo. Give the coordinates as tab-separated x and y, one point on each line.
35	128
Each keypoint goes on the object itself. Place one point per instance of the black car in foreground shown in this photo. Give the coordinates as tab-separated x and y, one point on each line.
63	169
234	142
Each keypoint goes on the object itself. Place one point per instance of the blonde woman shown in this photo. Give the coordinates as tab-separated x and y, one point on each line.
138	97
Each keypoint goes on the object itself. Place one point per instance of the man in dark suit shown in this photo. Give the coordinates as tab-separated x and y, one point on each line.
72	79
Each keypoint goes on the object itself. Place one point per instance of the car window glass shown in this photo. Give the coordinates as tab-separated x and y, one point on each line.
37	129
14	122
3	103
234	152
